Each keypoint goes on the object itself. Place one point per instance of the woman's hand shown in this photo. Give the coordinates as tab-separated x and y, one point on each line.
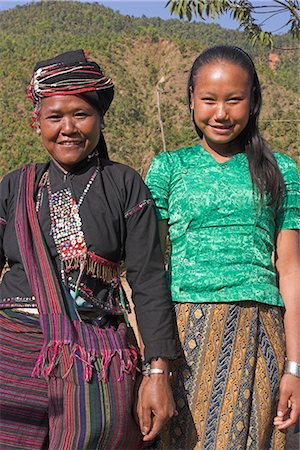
155	403
288	409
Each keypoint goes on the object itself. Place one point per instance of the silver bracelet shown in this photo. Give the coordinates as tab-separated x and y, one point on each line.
147	370
292	368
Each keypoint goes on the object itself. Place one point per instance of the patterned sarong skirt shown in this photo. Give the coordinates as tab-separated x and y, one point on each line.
226	381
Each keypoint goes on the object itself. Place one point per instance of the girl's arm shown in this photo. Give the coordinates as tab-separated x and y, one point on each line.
288	267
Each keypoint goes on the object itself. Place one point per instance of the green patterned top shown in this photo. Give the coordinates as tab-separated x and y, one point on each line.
222	237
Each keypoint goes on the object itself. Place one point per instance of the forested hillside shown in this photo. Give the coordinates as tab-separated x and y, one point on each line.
136	53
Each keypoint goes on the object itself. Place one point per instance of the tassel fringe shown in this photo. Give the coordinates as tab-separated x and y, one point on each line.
98	358
95	265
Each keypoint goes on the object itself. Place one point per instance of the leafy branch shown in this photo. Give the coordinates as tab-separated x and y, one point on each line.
244	12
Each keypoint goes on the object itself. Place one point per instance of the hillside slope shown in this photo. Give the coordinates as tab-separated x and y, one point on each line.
136	53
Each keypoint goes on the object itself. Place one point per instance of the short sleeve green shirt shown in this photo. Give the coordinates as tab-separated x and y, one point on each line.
222	236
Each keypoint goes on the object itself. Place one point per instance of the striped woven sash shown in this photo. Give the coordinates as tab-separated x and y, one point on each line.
60	323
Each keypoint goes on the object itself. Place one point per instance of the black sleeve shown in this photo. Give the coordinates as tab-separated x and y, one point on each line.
146	274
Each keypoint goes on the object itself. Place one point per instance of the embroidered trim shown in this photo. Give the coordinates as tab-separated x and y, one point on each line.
99	267
15	302
115	302
138	207
87	294
40	194
95	265
2	221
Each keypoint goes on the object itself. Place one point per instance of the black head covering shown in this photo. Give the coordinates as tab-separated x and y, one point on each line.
71	73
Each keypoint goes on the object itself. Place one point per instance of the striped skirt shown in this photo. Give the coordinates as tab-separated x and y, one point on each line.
62	413
226	382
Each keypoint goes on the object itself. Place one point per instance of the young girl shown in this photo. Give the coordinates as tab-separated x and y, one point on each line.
232	210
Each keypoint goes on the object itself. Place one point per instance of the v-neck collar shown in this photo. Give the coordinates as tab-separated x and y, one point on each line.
209	156
80	169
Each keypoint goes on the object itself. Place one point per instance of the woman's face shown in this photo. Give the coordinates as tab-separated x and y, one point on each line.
70	128
221	100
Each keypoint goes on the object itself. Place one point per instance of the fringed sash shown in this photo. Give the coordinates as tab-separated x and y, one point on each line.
60	323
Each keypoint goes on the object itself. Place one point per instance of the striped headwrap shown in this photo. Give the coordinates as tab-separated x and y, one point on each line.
70	73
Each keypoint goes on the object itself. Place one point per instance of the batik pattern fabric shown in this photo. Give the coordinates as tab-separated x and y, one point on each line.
226	381
64	412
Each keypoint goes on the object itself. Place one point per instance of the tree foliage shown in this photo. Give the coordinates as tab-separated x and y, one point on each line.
136	53
244	12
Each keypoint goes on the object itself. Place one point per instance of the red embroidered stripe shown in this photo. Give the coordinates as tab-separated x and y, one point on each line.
137	207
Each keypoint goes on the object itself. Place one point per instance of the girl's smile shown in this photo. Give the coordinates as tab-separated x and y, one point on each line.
222	130
221	100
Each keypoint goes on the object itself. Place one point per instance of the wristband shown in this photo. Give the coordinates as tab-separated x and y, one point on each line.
292	368
147	370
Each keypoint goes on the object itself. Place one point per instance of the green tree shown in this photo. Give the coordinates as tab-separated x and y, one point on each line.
245	12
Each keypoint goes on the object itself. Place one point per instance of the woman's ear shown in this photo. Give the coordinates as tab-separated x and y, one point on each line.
37	123
101	121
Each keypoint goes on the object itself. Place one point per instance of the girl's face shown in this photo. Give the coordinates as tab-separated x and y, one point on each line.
70	128
221	100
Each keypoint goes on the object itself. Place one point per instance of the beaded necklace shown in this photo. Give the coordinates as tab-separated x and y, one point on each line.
68	236
66	226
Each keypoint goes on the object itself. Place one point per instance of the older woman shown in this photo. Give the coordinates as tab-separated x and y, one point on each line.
65	227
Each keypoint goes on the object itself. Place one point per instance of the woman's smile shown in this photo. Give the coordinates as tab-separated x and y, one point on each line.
70	143
70	128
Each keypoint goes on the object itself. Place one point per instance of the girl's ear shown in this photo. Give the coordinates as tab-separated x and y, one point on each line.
191	98
252	100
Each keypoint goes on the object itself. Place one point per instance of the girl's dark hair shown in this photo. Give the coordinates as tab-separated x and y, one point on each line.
264	170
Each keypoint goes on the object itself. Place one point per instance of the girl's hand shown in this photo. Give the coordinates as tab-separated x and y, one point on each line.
288	409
